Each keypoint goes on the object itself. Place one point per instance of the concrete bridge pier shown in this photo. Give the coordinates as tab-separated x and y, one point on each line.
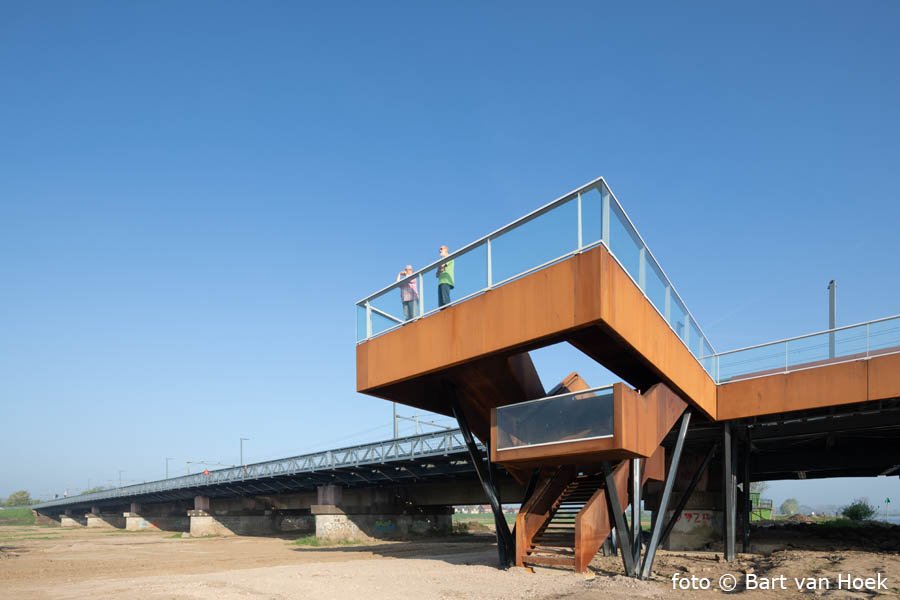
67	519
375	514
111	520
166	517
245	516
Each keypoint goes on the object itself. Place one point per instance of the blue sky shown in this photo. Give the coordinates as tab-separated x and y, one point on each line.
193	196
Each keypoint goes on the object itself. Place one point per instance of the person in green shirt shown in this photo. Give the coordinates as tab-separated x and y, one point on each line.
445	278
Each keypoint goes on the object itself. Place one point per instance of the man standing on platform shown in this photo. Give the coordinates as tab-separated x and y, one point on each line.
445	278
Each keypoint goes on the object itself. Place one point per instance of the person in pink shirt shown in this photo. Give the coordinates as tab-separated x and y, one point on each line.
409	293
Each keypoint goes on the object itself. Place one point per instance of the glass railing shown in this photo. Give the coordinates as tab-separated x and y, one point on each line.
865	340
572	417
579	220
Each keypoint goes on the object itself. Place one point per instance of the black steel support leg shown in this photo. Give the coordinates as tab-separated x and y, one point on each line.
748	503
618	513
656	535
505	543
729	487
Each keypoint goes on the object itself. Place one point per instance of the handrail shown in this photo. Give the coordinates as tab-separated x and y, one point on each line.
520	221
800	337
780	357
558	396
576	194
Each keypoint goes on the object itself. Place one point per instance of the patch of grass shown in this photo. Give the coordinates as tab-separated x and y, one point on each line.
842	523
16	516
311	541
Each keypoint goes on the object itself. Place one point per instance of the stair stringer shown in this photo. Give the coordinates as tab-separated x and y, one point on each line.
593	523
539	509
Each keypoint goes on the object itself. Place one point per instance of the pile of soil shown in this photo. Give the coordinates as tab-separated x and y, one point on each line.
868	536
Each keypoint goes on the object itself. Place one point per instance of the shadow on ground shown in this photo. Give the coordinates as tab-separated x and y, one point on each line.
457	550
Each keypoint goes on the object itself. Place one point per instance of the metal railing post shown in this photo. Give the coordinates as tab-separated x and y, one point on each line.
604	217
490	265
421	296
668	311
687	332
580	234
368	320
786	360
867	340
642	269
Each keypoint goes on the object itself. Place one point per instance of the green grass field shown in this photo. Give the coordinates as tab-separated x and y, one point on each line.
16	516
482	518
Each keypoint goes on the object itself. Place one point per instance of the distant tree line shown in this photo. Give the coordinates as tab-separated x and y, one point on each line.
20	498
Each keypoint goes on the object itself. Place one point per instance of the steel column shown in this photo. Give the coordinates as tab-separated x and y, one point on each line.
729	487
655	536
618	513
748	503
505	543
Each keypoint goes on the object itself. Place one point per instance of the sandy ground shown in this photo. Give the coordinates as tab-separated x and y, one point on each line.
46	563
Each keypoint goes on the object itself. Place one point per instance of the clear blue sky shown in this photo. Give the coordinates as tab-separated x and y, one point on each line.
193	195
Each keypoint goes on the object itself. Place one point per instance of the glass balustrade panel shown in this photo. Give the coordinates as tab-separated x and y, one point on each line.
545	238
569	418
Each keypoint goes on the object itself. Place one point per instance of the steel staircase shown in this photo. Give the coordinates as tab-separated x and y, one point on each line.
554	543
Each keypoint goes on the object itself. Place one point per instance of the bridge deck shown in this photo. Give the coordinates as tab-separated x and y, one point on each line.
440	455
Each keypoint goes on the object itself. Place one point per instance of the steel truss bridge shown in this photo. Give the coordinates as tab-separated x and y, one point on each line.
440	455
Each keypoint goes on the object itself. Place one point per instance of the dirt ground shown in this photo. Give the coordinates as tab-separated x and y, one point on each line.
53	563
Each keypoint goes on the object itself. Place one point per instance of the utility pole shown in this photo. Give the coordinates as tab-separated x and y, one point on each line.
396	432
120	476
242	449
832	315
167	466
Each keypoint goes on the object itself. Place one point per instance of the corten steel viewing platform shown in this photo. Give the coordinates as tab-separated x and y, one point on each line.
577	271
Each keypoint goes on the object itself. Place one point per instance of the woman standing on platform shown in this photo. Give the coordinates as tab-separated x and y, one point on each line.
409	293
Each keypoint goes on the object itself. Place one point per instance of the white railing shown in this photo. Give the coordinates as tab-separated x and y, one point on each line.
841	344
582	219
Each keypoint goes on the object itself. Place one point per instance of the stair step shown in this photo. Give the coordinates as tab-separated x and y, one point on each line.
556	532
554	546
550	561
